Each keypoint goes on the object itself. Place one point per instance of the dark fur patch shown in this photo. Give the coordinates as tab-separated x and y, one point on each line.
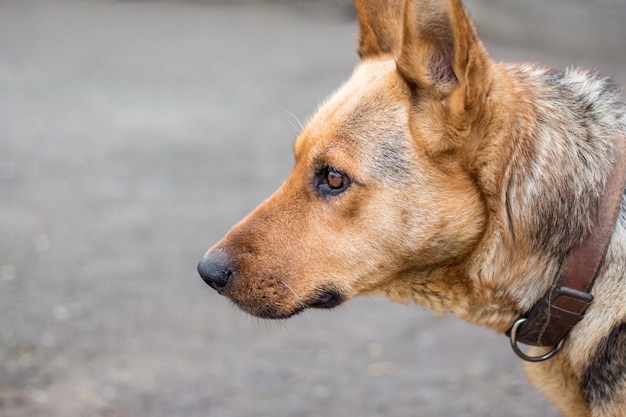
607	369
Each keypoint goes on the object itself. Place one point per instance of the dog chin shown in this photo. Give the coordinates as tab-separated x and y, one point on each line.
324	299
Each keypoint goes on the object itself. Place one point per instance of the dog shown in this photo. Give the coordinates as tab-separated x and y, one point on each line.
435	175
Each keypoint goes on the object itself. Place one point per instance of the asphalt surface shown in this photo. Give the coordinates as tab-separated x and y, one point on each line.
133	134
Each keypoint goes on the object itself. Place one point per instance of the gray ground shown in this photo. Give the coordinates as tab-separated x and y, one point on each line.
133	134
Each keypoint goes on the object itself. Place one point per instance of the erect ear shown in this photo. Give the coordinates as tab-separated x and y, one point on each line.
380	27
440	50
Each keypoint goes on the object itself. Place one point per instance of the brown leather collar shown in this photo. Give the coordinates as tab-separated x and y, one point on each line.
563	306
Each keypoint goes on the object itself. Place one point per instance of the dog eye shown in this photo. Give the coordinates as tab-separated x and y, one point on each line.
331	182
336	180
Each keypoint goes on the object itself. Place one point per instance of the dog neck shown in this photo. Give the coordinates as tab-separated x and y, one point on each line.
553	316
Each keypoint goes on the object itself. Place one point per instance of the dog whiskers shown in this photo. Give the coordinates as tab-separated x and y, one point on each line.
294	118
293	292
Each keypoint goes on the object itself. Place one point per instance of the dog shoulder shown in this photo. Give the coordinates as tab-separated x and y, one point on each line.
604	379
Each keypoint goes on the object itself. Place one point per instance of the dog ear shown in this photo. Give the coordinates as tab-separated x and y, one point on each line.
380	27
441	51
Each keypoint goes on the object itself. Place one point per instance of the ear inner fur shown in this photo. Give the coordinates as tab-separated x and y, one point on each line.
441	52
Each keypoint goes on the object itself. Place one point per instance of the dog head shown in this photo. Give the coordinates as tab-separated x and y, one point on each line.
384	196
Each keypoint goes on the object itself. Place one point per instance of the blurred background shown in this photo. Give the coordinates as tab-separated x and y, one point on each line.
134	133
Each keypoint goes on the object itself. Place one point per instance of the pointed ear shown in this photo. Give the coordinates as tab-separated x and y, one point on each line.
440	49
380	27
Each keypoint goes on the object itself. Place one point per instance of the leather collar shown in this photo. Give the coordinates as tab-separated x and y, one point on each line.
564	304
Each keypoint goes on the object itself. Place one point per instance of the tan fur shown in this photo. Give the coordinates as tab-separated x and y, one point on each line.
559	382
467	190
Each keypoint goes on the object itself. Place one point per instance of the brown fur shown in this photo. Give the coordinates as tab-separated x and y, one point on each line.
468	181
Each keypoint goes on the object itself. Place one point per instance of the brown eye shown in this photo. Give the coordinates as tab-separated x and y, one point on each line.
331	182
336	180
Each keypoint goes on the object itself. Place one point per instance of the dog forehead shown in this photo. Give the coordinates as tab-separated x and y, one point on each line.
369	84
364	107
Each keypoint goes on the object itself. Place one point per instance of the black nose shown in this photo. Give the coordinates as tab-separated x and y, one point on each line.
215	270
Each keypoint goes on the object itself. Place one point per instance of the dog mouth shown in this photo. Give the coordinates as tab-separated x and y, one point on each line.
326	299
323	299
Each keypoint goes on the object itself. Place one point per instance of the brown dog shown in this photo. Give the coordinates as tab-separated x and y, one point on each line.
438	176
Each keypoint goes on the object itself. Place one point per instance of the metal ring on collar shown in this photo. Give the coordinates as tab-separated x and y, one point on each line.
518	351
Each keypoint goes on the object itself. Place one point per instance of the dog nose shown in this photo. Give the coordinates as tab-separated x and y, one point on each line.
215	270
